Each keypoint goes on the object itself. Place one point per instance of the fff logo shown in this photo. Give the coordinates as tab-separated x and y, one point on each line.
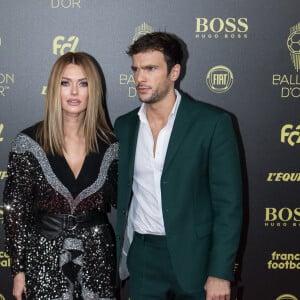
62	45
290	134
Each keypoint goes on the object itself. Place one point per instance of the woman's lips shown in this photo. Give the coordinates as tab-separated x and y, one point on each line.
73	102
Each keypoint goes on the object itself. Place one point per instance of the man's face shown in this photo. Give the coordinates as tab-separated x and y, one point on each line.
153	83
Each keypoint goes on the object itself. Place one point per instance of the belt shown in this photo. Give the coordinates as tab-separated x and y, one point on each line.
159	240
52	225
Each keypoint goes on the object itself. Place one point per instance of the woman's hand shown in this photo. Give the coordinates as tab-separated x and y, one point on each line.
19	286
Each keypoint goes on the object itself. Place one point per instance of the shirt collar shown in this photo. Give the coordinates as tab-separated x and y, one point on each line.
142	110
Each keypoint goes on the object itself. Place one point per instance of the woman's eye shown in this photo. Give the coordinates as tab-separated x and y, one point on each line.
64	83
83	83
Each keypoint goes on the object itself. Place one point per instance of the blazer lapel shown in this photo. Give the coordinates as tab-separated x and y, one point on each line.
181	126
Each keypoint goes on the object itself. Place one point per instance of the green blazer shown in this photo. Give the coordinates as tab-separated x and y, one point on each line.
201	191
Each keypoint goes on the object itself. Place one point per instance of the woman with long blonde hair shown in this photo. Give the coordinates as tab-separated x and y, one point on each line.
61	183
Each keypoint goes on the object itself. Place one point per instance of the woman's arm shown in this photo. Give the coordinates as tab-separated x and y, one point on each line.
17	209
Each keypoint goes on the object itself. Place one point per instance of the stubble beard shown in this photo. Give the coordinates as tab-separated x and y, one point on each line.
156	96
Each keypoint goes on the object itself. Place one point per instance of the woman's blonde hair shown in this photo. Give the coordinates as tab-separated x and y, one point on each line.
50	132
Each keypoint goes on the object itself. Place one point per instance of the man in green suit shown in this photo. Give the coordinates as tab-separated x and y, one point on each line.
180	192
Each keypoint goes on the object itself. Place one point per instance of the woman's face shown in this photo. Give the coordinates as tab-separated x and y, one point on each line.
74	91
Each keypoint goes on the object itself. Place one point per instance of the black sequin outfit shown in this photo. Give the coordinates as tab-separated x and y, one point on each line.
79	263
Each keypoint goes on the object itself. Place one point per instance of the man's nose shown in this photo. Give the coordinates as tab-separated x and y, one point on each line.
139	76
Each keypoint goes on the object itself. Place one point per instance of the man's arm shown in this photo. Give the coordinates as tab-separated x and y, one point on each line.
226	194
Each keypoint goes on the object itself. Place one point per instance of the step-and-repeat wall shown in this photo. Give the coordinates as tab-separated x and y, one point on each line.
243	56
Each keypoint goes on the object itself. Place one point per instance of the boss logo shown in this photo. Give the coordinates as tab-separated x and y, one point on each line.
217	25
284	214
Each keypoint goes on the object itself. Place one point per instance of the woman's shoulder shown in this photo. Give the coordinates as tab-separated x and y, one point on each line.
32	130
109	146
25	139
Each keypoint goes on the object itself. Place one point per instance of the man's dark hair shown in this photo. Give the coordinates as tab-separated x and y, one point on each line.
164	42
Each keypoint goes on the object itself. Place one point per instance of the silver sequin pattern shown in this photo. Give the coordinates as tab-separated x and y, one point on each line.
32	185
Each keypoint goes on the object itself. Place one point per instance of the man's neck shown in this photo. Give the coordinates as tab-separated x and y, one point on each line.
160	111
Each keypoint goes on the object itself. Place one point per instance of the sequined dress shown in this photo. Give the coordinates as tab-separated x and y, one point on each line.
79	263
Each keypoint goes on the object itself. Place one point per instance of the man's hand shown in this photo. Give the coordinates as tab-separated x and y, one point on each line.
217	289
19	286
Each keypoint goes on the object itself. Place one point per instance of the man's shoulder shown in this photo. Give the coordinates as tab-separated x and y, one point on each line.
199	107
